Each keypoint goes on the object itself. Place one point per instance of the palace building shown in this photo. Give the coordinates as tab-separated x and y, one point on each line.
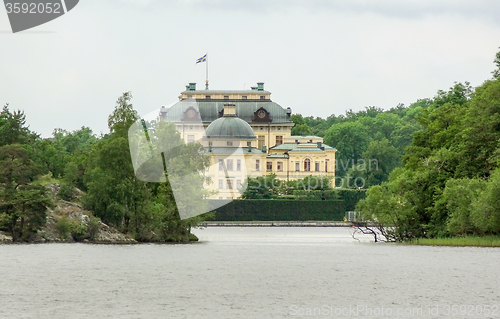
246	134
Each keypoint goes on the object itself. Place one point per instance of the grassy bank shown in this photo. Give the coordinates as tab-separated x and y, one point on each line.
486	241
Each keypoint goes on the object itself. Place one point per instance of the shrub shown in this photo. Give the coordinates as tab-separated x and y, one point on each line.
64	227
93	227
66	191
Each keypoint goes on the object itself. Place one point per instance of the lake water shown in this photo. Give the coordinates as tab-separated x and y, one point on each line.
254	272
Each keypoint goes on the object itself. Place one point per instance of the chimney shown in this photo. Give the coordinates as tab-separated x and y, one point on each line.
260	86
229	110
191	87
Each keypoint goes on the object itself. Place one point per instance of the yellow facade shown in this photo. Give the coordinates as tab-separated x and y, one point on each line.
270	149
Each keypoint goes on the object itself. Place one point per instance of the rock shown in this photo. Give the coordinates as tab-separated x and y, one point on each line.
4	238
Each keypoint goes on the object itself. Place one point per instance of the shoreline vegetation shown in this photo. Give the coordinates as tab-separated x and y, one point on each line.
436	178
468	241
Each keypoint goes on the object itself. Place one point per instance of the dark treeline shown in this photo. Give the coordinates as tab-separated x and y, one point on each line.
100	166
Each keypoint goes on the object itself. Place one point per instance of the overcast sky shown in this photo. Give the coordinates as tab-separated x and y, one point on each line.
318	57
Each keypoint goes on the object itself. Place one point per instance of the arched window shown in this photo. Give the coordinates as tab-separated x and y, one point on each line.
307	165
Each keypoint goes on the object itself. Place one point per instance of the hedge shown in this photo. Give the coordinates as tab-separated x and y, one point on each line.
350	197
280	210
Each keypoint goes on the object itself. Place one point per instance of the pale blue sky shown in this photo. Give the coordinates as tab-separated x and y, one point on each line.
317	57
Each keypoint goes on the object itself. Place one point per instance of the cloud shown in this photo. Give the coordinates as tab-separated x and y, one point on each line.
390	8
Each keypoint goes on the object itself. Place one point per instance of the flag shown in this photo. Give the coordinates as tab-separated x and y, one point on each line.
202	59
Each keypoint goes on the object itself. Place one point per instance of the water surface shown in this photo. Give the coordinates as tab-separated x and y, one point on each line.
253	272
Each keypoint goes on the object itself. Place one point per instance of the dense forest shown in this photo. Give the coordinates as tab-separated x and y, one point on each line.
449	180
369	143
101	167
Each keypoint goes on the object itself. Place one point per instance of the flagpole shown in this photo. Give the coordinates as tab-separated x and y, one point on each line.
206	81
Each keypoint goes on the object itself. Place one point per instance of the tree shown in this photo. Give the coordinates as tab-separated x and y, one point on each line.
351	140
13	129
485	213
123	116
301	129
457	198
496	72
22	205
379	159
262	187
150	211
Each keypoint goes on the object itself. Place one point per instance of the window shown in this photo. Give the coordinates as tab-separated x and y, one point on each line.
229	164
279	128
269	166
307	165
326	166
221	165
297	166
316	166
190	138
229	184
249	144
257	165
238	184
226	97
262	97
262	141
207	97
279	166
229	143
279	139
244	97
238	165
221	184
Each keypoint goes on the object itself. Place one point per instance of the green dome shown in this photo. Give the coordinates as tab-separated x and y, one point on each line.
229	127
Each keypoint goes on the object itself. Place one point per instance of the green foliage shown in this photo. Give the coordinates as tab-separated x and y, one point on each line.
123	116
78	230
302	129
310	188
485	213
442	189
93	227
64	226
350	139
280	210
148	211
391	212
496	72
476	241
262	187
22	204
66	191
13	129
457	198
23	210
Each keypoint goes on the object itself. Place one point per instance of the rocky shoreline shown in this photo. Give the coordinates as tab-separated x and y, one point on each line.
74	214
